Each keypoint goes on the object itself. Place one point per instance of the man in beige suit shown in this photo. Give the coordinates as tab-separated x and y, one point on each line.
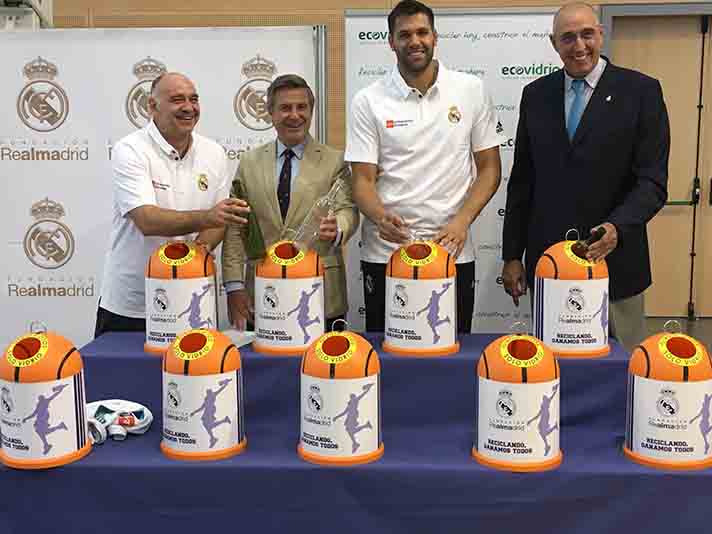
280	181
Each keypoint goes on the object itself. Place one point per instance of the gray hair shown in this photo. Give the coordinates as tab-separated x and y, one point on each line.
287	81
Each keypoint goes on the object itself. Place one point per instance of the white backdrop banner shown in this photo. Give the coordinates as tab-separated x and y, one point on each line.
67	96
507	50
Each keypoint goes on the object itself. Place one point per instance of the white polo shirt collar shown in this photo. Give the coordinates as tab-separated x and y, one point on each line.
405	90
169	150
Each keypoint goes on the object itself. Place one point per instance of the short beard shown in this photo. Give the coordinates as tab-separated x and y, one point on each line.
410	68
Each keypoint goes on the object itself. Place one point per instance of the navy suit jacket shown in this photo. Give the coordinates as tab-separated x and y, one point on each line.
614	170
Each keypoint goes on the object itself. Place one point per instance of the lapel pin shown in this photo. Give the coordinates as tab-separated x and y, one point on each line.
609	98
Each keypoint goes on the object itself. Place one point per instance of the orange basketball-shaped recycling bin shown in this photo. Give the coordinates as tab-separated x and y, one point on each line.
180	293
43	404
289	300
517	423
340	401
421	301
571	303
203	410
668	408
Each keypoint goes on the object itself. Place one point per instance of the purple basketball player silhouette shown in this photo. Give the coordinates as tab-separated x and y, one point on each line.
194	309
603	310
351	422
303	308
704	417
208	409
433	307
41	415
543	415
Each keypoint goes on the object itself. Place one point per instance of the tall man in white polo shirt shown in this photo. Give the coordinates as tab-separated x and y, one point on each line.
168	182
423	143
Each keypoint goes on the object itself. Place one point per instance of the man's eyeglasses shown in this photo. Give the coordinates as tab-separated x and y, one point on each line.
571	37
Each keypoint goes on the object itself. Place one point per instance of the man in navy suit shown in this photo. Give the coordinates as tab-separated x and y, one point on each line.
592	149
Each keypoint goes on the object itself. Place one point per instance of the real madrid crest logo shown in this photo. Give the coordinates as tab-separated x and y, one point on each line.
251	100
146	71
42	104
454	115
506	407
270	298
48	243
173	395
203	182
160	300
6	401
316	403
400	297
575	302
668	405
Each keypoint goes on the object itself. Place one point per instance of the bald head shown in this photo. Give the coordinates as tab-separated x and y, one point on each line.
165	79
174	105
578	38
574	8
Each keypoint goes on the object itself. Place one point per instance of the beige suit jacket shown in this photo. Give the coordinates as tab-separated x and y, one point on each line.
256	183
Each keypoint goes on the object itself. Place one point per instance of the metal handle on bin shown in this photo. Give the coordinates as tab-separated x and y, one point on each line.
346	325
38	327
672	323
566	236
519	328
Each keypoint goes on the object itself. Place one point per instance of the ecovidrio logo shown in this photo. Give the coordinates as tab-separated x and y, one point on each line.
533	70
378	36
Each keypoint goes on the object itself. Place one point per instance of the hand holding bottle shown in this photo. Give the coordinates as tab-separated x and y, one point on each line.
328	228
320	223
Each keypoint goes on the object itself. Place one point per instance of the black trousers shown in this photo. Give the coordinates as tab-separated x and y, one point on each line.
107	321
374	290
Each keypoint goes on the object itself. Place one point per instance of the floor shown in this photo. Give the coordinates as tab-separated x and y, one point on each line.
700	329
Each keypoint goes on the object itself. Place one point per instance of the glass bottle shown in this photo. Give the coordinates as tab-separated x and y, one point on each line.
307	235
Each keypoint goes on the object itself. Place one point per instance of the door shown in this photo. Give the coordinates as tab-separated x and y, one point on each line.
669	48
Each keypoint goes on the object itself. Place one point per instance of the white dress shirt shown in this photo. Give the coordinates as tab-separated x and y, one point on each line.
590	83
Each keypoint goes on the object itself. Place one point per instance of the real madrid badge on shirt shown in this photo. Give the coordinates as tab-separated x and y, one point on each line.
203	182
454	115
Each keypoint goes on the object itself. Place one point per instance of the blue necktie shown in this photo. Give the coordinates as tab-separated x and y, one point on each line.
577	107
